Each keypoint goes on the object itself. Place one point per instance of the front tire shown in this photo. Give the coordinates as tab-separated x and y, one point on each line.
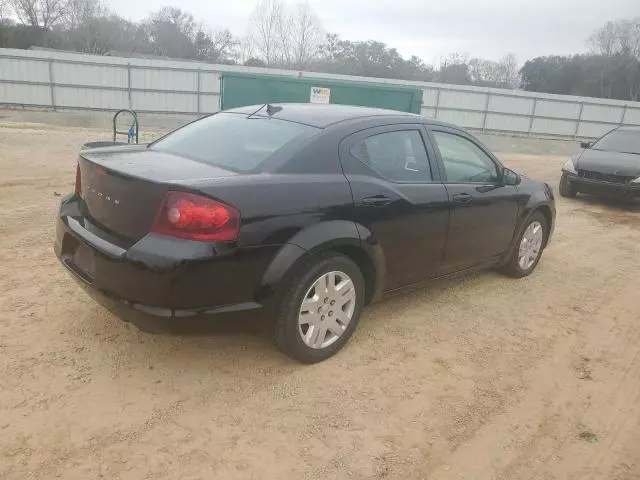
567	190
528	248
320	308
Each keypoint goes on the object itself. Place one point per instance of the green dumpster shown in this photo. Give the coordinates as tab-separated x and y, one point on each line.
251	89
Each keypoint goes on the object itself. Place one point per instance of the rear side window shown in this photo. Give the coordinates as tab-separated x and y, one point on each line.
398	156
233	141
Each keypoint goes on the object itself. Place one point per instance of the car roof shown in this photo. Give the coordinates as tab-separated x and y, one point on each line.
322	116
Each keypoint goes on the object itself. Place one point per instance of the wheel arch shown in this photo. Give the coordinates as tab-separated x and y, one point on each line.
340	236
545	208
365	263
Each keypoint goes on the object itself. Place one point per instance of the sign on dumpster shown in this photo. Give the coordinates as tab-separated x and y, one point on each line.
320	95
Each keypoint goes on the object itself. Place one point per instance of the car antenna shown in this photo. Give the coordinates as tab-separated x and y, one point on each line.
261	107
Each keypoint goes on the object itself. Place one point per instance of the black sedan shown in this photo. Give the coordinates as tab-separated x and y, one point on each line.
302	214
610	166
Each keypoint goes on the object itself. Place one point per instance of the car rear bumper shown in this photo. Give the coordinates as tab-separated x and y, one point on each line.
152	319
598	187
158	280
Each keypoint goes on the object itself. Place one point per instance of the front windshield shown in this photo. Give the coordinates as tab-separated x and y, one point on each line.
623	141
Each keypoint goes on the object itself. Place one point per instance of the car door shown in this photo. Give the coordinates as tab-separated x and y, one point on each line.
484	211
399	201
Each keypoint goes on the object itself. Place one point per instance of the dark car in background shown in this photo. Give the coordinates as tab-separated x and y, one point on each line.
610	166
299	213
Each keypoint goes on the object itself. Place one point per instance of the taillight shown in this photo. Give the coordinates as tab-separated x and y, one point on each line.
185	215
78	181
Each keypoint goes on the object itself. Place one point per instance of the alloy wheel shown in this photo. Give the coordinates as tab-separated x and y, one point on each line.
530	245
327	309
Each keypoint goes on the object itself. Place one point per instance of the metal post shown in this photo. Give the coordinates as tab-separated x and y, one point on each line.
486	111
221	91
624	113
51	85
575	133
129	84
198	90
533	115
437	104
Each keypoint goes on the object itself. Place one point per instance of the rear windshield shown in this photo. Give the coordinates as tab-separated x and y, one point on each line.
232	141
619	141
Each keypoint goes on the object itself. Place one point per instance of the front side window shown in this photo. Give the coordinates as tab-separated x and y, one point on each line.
232	141
399	156
463	160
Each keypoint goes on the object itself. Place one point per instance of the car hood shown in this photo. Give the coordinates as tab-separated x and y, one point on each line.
614	163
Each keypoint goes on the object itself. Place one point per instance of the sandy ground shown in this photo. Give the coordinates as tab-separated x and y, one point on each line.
479	378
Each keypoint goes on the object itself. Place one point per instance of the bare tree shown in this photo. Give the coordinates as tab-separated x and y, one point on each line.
628	36
483	71
244	49
629	44
502	74
285	37
604	40
621	37
80	12
455	59
454	68
39	13
619	43
181	20
266	24
508	71
215	46
4	11
306	35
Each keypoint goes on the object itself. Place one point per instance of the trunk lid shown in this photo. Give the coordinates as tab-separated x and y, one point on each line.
123	187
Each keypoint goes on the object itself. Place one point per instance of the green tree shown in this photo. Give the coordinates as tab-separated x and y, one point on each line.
172	33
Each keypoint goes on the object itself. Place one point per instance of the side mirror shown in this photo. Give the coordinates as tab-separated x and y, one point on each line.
585	144
509	177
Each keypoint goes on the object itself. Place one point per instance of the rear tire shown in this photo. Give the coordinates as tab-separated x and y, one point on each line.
527	252
311	324
567	190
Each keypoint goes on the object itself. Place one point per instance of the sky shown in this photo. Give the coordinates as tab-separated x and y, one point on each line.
431	29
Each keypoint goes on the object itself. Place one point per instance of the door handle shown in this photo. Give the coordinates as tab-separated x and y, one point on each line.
462	198
376	201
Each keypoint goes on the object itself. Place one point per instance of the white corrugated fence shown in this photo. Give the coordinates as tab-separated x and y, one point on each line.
65	80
